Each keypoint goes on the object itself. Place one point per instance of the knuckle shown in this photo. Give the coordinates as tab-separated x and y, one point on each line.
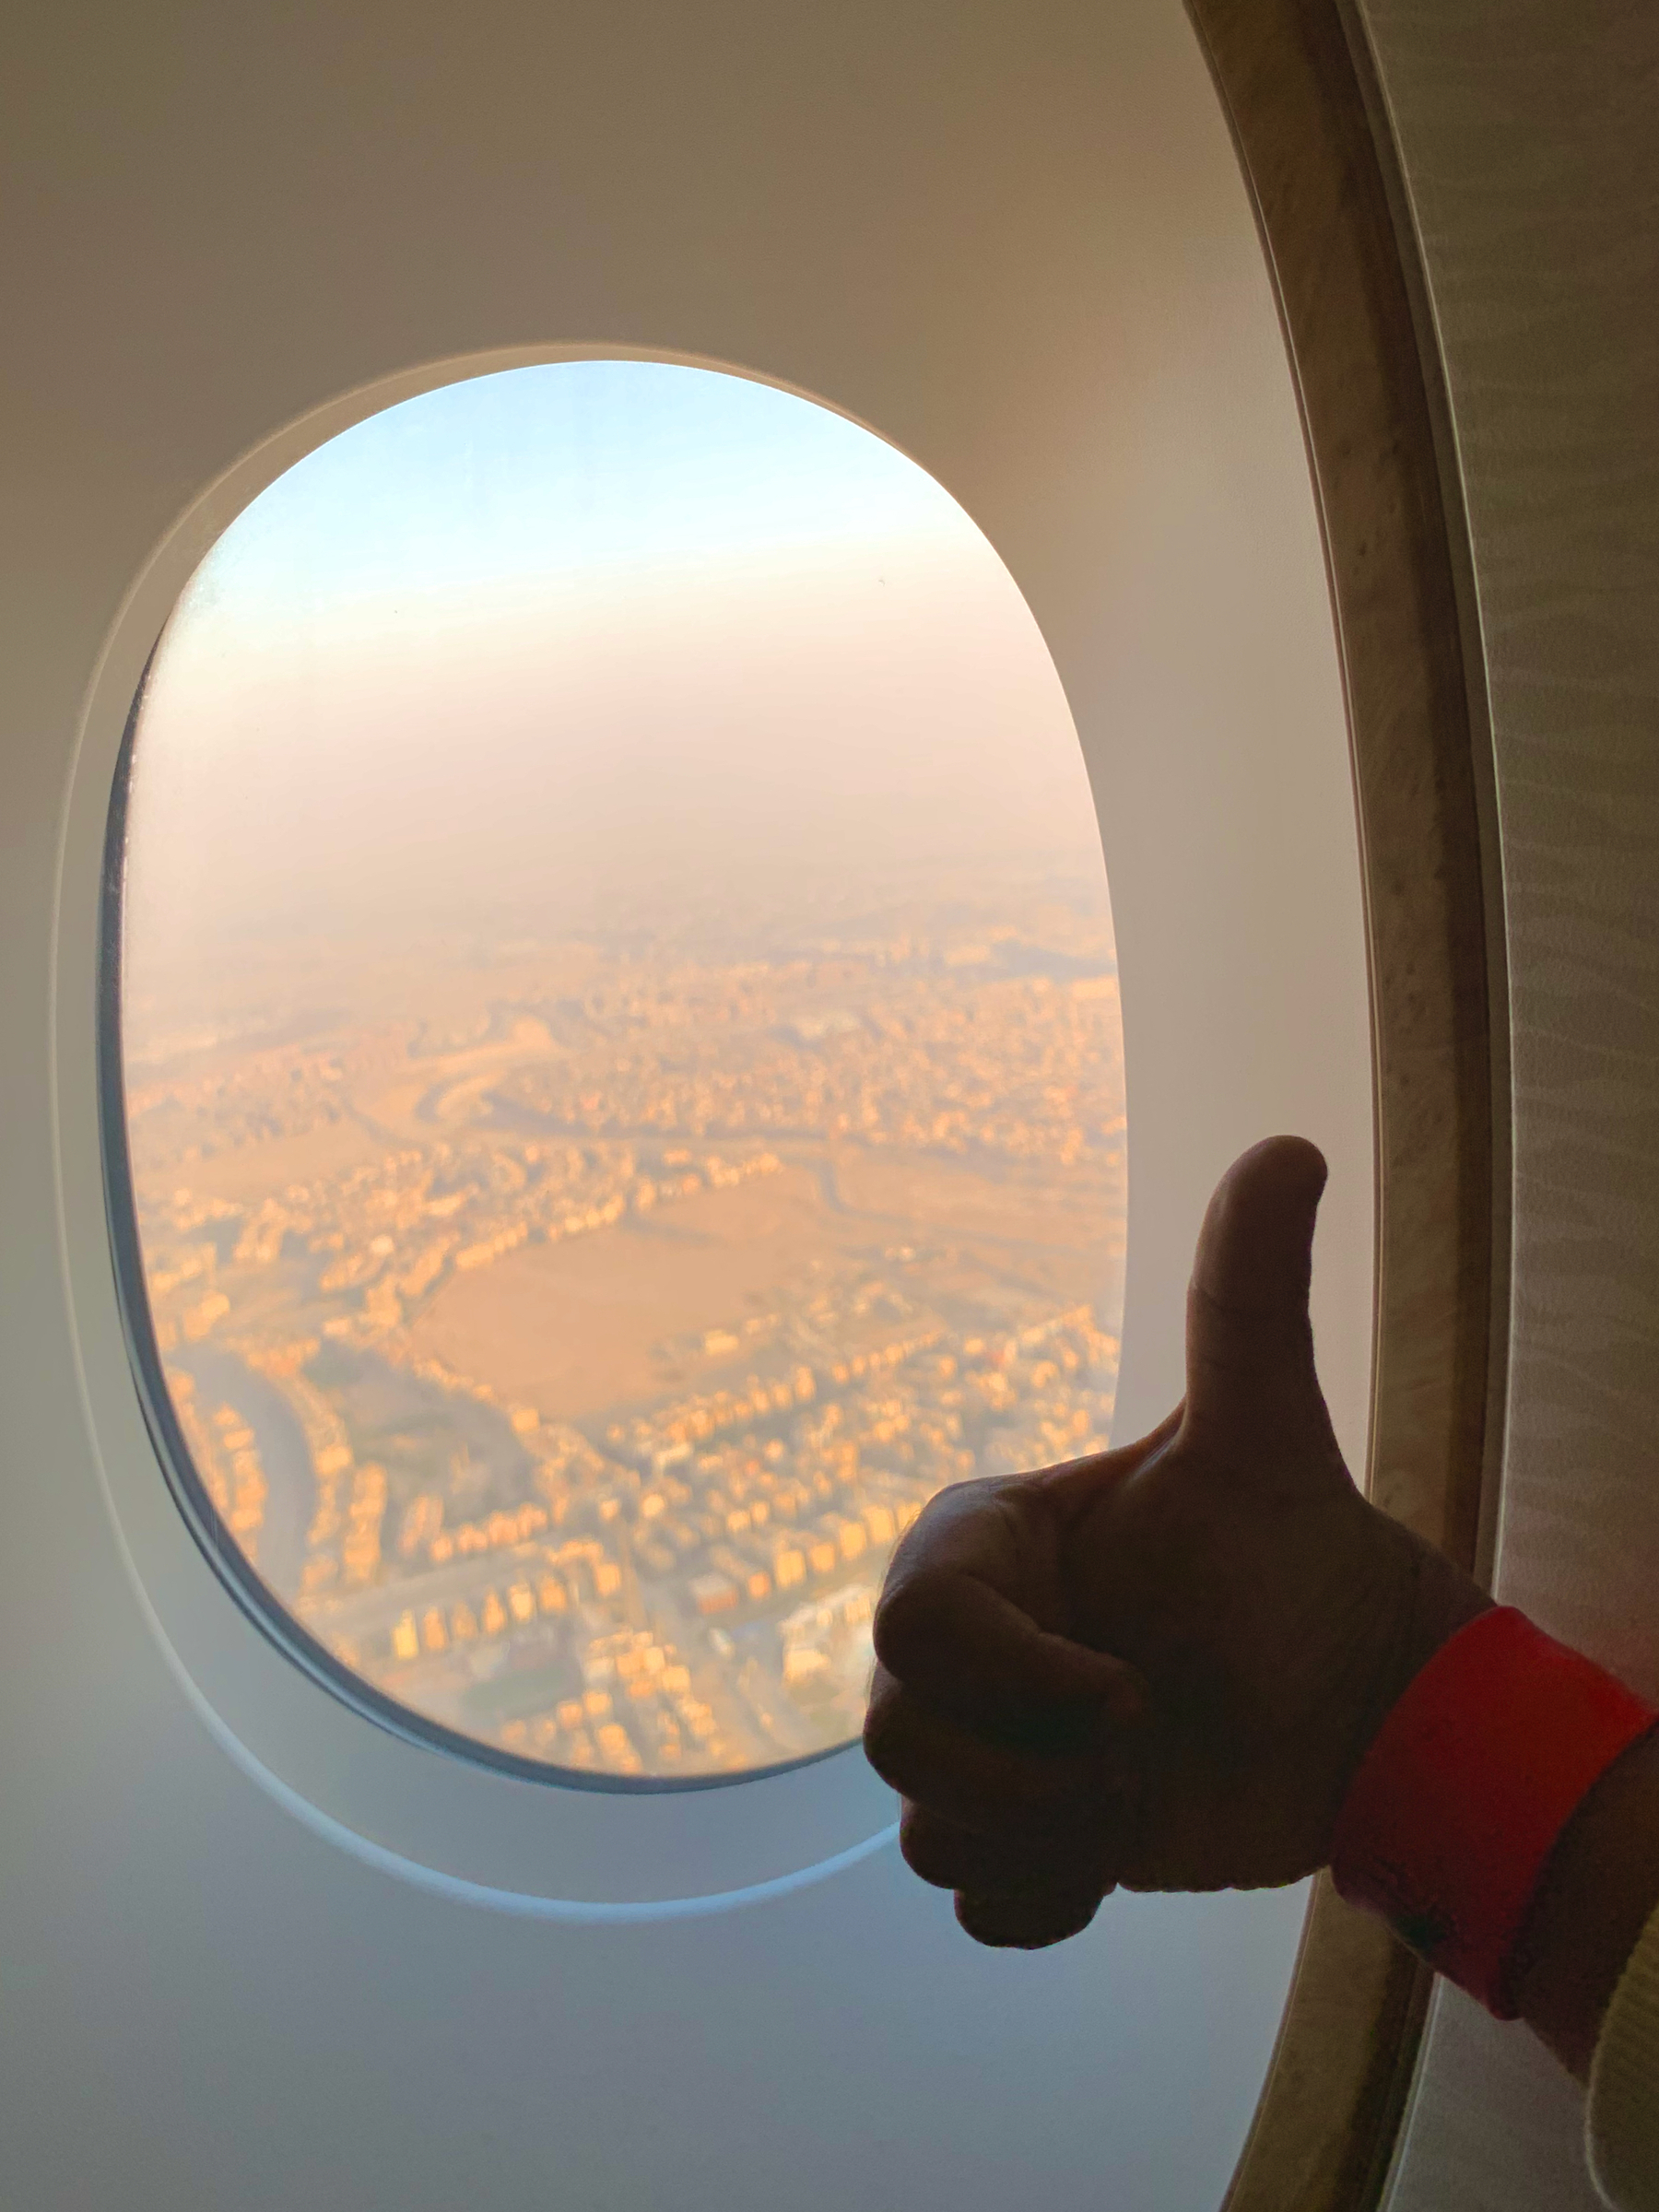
886	1736
897	1621
1026	1921
929	1852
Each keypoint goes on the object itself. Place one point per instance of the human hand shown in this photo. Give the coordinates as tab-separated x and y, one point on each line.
1160	1667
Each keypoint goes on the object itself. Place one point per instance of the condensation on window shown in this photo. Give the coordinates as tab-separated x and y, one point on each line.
621	1054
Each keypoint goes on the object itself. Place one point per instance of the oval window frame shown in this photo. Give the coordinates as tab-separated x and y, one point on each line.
260	1604
651	1850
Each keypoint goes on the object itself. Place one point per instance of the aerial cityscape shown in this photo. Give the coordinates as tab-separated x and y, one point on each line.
622	1051
566	1327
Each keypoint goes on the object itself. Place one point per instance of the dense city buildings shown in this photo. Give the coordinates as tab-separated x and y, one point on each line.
567	1329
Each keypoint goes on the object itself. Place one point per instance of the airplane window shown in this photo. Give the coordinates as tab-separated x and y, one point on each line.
620	1048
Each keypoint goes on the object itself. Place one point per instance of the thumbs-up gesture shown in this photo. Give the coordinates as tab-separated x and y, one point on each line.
1160	1668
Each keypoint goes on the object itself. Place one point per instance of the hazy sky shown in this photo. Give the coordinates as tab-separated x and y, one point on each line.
558	633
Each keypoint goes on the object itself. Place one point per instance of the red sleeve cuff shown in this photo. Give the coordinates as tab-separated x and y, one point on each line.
1457	1805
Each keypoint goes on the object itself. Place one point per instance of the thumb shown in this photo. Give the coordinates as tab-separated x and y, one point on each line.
1250	1343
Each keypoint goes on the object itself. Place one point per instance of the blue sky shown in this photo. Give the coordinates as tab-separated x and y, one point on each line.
508	482
565	631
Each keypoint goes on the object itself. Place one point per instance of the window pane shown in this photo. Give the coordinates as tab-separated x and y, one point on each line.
620	1034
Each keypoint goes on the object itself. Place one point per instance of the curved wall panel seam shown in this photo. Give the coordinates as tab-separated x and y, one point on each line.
1314	146
1526	140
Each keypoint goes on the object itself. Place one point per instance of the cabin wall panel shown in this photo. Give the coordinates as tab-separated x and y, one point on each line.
1017	240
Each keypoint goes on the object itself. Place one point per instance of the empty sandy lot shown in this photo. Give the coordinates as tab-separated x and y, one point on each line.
570	1328
249	1174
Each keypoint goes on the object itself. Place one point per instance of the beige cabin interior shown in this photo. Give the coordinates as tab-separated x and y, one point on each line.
1300	359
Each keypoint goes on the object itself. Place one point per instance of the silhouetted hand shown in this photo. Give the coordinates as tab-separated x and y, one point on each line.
1159	1667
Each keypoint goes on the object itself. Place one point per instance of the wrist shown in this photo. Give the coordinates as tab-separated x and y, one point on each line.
1444	1600
1437	1599
1598	1889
